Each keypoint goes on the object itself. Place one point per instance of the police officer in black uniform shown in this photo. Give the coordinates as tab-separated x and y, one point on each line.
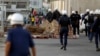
96	28
56	15
90	22
49	16
64	23
85	18
75	17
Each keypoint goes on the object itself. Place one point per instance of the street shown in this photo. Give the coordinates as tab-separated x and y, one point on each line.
51	47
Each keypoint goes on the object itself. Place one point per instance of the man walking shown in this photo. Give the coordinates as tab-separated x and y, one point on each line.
19	40
64	23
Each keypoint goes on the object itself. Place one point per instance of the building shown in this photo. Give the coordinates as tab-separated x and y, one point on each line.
22	6
79	5
16	6
69	5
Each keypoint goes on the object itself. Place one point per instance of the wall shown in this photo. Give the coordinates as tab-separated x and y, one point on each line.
57	4
82	5
79	5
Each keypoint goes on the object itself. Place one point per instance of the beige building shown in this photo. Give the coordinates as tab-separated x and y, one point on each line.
69	5
79	5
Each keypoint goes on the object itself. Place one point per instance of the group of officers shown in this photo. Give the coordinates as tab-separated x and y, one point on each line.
91	20
19	39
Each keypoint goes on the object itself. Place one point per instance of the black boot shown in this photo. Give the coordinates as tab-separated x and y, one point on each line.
62	47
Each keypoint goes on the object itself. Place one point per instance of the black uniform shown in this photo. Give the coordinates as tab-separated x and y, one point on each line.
64	22
90	22
75	22
96	29
49	16
56	15
85	21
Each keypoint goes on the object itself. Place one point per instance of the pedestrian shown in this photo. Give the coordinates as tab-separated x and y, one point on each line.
64	23
85	18
56	15
75	18
19	39
90	23
32	20
49	15
96	29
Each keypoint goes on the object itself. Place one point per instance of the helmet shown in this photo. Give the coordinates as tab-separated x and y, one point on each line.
91	12
49	9
81	14
64	12
87	10
73	11
96	11
17	18
9	17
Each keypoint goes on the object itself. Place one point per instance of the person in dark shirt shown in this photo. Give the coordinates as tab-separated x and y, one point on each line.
64	23
85	18
56	15
75	17
90	23
96	28
49	16
18	40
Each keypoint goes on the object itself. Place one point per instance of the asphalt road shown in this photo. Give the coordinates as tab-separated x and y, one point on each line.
51	47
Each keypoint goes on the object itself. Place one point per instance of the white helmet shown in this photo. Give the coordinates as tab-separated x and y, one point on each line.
81	14
17	18
9	17
91	12
97	11
73	12
87	10
49	9
64	12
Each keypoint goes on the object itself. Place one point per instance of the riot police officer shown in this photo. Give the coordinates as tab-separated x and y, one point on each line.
49	16
56	14
64	23
90	22
96	28
18	39
75	17
85	18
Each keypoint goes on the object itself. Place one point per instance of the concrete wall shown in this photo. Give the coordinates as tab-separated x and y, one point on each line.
57	4
82	5
79	5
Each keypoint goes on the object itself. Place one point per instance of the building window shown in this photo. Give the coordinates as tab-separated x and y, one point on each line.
5	2
13	2
21	5
8	6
